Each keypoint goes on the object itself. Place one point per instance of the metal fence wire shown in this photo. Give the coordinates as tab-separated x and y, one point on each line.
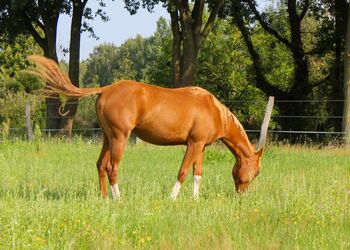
86	115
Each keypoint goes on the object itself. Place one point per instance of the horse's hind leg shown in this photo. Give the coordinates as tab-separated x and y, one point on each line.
193	154
103	164
197	174
117	146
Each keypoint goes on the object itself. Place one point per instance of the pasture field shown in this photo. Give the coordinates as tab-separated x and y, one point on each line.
49	199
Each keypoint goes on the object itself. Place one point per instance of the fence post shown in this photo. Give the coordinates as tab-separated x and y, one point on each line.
265	125
28	125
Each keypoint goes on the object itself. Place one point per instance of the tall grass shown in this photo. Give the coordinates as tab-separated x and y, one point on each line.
49	199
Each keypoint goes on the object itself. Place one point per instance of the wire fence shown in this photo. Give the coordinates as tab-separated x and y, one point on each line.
91	125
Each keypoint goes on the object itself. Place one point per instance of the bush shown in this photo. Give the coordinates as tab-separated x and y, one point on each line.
12	106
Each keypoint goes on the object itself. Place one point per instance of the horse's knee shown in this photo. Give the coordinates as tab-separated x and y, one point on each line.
101	169
181	177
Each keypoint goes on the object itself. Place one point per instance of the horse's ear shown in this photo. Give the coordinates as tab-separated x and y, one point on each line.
259	152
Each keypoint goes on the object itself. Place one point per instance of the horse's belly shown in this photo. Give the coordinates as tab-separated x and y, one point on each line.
161	135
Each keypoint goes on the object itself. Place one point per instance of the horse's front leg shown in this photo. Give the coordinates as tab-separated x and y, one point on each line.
193	154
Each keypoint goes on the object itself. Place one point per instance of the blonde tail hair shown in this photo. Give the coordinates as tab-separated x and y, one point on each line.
57	82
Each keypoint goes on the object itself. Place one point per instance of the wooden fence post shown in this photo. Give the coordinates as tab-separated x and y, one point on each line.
28	125
265	125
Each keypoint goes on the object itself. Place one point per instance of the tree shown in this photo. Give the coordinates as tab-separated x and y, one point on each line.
13	60
332	19
246	17
346	113
141	59
158	49
109	63
190	28
39	19
224	68
341	15
100	65
16	88
66	122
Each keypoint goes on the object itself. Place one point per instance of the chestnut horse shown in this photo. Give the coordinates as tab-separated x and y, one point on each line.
188	116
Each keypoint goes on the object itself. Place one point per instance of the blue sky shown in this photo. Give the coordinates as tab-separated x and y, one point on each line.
119	28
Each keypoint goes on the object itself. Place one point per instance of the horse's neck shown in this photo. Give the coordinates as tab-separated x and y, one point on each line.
237	140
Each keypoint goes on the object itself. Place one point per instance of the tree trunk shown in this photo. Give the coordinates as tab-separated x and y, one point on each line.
346	113
176	47
300	85
189	33
301	70
66	123
260	80
52	105
189	59
340	8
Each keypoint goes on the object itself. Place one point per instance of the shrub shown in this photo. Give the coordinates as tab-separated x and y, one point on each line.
12	106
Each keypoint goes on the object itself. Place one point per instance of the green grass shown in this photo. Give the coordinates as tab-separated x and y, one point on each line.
49	199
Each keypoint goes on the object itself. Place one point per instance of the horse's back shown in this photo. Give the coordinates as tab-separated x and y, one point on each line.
160	115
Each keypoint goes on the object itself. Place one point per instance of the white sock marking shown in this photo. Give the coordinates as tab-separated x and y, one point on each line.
176	190
115	191
196	182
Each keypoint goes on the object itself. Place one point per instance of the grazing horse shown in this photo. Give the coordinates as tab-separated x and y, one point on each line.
188	116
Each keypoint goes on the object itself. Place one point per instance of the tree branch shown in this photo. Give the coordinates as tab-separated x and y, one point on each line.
180	5
266	26
320	82
37	22
209	25
197	14
304	10
260	81
28	23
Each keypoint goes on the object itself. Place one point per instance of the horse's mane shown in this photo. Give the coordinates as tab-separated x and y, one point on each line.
227	116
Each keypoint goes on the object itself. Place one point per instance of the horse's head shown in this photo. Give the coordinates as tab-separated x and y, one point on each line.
248	167
245	170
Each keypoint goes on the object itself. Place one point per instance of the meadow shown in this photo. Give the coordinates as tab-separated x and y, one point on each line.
49	199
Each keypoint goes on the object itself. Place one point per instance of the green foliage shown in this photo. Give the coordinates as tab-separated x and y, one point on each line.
13	60
12	107
86	114
224	68
5	130
15	85
140	59
158	55
276	59
49	198
109	63
101	65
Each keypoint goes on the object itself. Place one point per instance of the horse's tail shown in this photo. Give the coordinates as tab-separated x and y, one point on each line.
57	82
